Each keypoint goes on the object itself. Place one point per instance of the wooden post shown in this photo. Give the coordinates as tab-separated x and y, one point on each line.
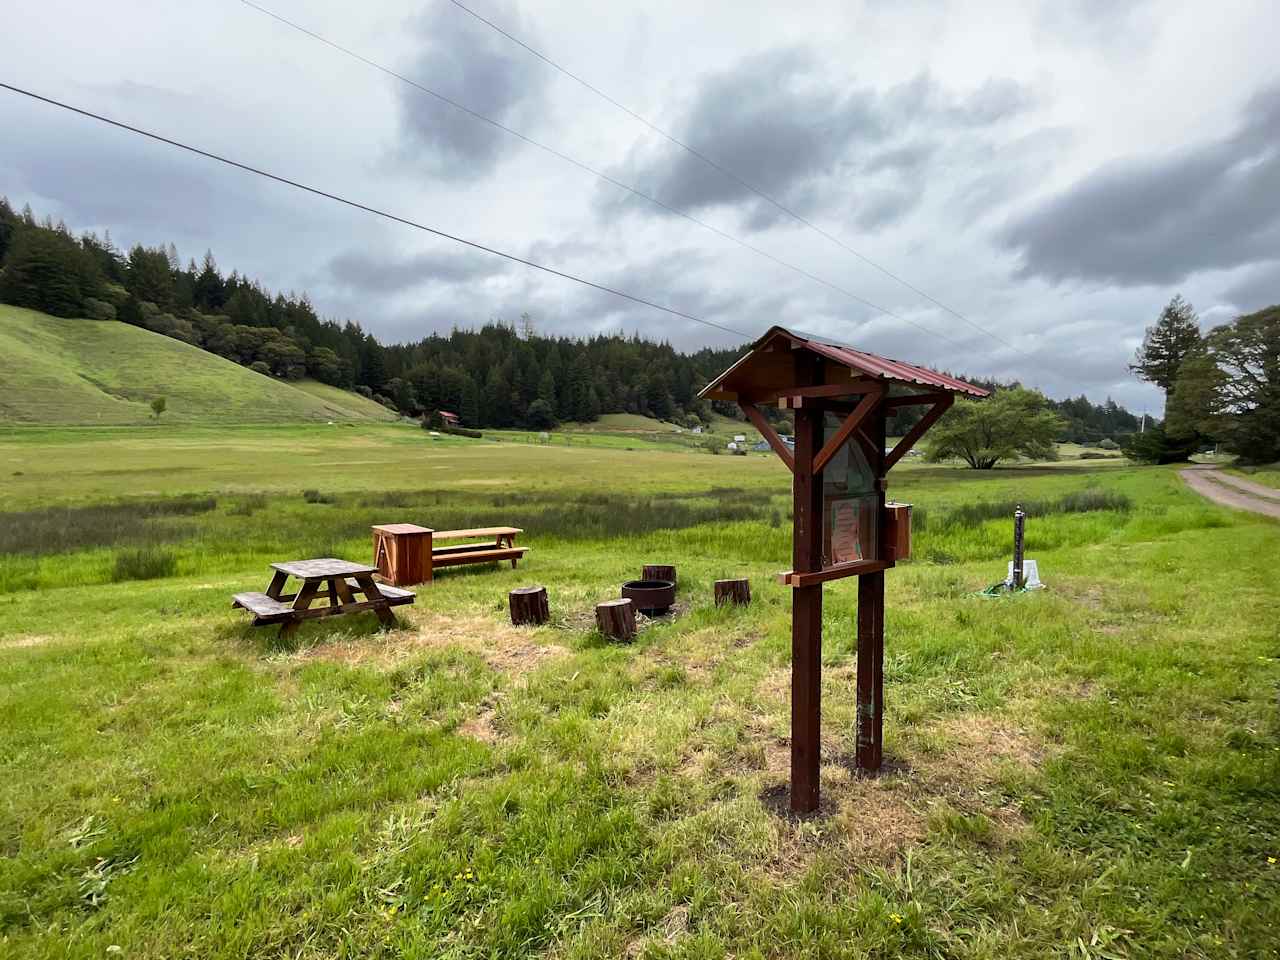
529	606
871	622
870	671
733	591
616	619
658	571
806	602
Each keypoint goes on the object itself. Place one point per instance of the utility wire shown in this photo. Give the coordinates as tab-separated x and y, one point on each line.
368	209
607	178
736	178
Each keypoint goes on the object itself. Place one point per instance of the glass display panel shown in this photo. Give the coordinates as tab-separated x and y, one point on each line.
851	503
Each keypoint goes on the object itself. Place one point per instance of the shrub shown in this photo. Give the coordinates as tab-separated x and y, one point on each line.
464	432
96	309
249	505
259	367
315	496
145	563
1109	444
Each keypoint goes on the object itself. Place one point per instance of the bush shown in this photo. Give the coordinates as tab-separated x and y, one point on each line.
464	432
259	367
96	309
315	496
1109	444
146	563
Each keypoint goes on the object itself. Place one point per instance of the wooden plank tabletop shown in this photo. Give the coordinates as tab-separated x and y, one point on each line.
401	528
476	532
322	569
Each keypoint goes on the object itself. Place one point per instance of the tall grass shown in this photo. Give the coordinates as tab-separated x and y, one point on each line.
1075	501
132	522
146	563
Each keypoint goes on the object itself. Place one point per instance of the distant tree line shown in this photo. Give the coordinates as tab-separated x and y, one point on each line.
494	376
1078	419
490	377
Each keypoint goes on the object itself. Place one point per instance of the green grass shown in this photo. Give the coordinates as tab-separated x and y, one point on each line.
1089	771
57	371
1268	475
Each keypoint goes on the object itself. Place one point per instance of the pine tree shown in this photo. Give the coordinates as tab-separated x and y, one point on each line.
469	408
1166	344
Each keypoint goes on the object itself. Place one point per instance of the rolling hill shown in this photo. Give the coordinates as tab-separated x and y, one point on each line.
76	372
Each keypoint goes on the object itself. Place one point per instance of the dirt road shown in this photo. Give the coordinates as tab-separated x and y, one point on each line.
1233	491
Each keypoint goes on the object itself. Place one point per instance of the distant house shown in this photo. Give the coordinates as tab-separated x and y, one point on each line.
450	419
697	429
732	446
763	445
739	438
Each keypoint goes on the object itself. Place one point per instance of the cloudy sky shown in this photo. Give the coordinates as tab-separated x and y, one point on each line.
1052	172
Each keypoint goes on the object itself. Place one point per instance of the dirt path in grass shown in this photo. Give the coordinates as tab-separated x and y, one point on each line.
1231	491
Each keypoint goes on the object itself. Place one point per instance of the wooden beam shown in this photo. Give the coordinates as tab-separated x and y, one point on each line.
870	630
766	430
806	602
870	678
854	568
850	424
915	400
916	432
791	398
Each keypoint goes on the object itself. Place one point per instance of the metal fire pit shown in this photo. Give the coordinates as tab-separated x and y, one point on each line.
650	597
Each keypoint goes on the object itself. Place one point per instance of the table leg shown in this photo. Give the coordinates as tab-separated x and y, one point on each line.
374	596
277	585
306	594
343	590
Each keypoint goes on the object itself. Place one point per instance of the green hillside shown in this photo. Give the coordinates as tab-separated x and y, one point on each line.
55	371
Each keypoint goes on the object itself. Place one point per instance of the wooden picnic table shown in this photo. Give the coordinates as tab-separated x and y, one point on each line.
338	580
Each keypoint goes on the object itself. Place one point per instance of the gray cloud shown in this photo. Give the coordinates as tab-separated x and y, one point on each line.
1160	219
781	122
1259	288
468	63
388	273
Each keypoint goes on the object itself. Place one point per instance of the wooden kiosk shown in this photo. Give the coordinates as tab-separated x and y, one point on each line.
841	398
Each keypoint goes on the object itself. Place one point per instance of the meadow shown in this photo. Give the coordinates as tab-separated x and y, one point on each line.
1086	771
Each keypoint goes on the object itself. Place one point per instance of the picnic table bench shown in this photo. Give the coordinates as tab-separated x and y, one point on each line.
408	553
338	580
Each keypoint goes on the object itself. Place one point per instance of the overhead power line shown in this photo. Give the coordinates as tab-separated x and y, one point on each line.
607	178
745	184
369	209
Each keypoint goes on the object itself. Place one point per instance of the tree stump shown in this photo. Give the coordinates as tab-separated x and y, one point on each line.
616	619
658	571
529	606
733	591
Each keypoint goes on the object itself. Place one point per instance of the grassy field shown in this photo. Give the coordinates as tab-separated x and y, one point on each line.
1090	771
57	371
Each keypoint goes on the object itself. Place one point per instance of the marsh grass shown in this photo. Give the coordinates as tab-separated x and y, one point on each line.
58	529
1076	501
144	563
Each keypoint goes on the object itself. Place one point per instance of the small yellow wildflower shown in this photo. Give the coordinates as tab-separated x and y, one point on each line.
896	917
1271	859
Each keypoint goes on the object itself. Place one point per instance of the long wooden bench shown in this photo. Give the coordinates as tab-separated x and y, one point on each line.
484	554
407	553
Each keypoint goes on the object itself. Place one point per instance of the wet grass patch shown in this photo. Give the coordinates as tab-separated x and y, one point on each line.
124	523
